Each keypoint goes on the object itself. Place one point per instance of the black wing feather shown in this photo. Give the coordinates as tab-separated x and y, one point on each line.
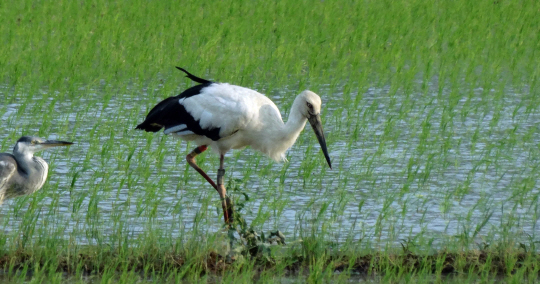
169	113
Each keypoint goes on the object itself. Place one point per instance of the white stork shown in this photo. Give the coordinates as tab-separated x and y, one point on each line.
225	117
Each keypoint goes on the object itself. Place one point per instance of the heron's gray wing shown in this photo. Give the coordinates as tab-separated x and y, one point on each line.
8	166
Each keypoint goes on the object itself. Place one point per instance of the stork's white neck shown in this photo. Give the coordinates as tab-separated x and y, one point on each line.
288	134
295	124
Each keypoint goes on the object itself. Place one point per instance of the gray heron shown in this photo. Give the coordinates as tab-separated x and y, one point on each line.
22	173
225	117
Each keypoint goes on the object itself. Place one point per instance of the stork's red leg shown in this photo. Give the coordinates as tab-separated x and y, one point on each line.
190	158
225	201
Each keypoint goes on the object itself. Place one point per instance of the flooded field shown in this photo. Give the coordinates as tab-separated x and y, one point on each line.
406	166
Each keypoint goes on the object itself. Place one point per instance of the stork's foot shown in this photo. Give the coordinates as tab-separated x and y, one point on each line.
228	210
226	203
244	241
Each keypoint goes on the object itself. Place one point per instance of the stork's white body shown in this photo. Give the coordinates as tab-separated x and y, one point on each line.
226	117
244	117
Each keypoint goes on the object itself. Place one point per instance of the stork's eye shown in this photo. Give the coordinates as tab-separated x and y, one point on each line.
310	106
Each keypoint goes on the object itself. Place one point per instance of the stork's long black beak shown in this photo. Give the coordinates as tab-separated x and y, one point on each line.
55	143
315	121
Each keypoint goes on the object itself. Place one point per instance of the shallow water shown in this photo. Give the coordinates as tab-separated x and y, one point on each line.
405	166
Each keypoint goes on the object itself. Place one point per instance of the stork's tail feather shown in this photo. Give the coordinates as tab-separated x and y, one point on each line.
193	77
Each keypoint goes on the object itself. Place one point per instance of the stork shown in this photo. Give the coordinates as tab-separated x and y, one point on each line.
23	173
224	117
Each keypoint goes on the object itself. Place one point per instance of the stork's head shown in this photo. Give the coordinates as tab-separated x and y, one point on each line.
311	104
310	107
31	145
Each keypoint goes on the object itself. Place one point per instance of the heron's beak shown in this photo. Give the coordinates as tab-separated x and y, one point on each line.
315	121
55	143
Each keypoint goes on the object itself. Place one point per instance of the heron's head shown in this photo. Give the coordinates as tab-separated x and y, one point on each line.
30	144
310	107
